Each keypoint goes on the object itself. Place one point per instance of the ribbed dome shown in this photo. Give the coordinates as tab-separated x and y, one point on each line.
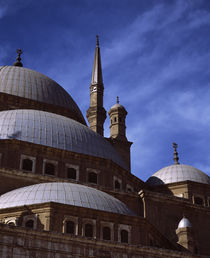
117	106
65	193
55	131
29	84
178	173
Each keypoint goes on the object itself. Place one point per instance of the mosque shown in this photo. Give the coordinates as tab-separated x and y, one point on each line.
68	191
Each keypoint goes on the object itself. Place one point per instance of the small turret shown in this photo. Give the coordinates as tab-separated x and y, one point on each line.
185	235
117	115
118	138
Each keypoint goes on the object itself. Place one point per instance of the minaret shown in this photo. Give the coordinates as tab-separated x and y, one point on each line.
118	139
96	114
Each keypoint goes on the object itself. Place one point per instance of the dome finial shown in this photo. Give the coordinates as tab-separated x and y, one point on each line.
118	100
18	59
176	158
97	40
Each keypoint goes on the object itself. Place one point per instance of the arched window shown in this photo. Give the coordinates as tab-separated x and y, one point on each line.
71	173
106	233
92	178
29	223
49	168
11	224
117	184
89	230
198	200
70	227
27	164
124	236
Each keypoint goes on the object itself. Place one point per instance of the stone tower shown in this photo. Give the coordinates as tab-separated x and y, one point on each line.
118	138
96	114
117	116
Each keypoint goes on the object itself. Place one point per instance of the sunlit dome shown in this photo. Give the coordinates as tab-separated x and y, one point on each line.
55	131
184	223
29	84
178	173
65	193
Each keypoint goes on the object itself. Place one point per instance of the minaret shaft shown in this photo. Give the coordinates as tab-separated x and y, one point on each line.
96	114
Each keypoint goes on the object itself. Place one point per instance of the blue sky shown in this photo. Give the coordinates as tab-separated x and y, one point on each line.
155	57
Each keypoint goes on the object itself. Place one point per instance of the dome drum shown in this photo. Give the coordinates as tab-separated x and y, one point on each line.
11	102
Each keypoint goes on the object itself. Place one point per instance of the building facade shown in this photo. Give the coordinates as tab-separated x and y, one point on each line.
68	191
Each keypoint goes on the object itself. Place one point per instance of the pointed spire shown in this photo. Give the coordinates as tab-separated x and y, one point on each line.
118	100
18	59
176	157
97	70
97	41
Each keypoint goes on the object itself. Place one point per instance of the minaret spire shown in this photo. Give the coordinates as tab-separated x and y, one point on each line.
97	70
96	114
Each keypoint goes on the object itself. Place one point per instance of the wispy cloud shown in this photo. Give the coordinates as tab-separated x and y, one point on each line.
157	63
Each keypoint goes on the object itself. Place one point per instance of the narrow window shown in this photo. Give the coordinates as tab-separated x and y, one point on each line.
29	223
70	227
198	200
124	236
71	173
92	178
116	184
49	168
27	164
151	242
106	233
89	230
115	119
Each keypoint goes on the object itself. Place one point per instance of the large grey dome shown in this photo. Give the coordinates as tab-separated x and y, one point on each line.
55	131
65	193
29	84
178	173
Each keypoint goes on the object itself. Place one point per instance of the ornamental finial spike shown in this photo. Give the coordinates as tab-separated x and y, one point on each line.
97	40
176	157
117	100
18	59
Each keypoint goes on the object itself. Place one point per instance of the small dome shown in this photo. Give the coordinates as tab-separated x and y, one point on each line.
55	131
178	173
184	223
29	84
65	193
117	106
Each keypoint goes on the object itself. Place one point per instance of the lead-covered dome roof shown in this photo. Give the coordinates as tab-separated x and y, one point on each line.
55	131
178	173
29	84
184	223
65	193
